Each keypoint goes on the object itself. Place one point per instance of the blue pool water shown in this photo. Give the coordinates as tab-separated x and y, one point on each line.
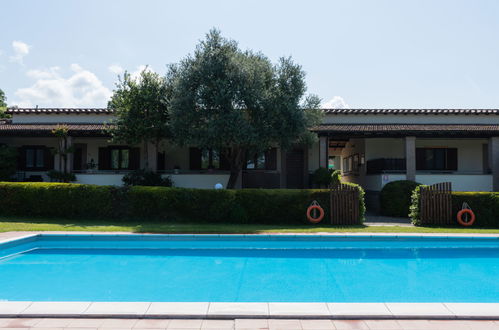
250	269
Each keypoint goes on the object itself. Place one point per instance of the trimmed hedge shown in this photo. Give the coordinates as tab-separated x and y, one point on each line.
395	198
485	205
266	206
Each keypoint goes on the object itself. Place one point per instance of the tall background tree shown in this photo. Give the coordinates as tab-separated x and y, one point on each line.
238	102
3	104
141	109
8	155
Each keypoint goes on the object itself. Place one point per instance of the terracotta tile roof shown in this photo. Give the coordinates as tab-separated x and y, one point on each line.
9	129
411	111
48	111
405	129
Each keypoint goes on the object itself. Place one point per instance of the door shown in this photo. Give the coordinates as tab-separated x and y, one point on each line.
295	162
80	157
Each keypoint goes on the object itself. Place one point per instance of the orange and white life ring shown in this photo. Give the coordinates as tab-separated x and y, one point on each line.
460	217
315	206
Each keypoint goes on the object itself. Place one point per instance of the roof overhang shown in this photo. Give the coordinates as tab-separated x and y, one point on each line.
401	130
45	130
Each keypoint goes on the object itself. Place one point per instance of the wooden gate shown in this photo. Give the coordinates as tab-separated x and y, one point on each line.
344	205
436	204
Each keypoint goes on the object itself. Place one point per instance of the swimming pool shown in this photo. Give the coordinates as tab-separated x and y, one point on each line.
249	268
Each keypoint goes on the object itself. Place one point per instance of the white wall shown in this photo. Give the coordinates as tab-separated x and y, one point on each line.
62	118
384	148
102	179
469	152
313	157
204	181
460	182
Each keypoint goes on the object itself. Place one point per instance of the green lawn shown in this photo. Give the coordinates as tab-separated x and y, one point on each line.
41	224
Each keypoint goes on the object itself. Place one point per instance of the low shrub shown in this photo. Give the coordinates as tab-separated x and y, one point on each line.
59	176
265	206
395	198
8	161
414	208
146	178
485	206
324	177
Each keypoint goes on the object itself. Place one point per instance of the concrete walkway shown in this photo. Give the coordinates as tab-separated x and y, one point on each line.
239	324
380	220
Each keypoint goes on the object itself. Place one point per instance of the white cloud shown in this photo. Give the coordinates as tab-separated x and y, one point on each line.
82	88
337	102
136	74
116	69
21	49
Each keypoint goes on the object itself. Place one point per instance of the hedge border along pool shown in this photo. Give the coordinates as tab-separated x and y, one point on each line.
263	206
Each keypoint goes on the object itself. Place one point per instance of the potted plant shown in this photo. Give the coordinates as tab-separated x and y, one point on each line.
176	169
91	166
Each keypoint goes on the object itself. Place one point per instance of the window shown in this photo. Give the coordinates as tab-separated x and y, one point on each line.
210	159
120	158
35	157
436	159
256	162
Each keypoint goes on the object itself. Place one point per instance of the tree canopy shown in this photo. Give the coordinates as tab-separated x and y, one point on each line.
3	104
141	109
238	102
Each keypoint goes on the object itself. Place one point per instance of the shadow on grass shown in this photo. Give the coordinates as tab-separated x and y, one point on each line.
147	226
184	227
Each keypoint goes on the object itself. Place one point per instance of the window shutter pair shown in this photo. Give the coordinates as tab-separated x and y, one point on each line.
48	159
452	159
271	159
105	158
194	159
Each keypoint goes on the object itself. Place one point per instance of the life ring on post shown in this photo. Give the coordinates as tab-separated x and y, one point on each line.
465	210
311	208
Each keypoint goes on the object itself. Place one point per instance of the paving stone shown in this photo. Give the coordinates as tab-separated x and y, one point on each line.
317	324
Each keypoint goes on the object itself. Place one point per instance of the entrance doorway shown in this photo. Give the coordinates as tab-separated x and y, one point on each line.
295	164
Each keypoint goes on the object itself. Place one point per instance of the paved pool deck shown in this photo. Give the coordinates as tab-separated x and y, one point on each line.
240	324
239	311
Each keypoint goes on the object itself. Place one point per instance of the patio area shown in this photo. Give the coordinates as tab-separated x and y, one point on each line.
239	324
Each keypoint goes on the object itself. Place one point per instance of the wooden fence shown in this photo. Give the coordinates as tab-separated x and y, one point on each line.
436	204
344	205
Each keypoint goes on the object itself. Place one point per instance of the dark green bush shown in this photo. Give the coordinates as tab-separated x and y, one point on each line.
59	176
395	198
146	178
8	160
265	206
324	177
414	213
485	205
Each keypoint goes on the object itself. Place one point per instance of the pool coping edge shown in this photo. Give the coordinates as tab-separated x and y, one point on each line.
214	310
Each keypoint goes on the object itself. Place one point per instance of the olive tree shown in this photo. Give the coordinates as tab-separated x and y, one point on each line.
3	104
238	102
141	110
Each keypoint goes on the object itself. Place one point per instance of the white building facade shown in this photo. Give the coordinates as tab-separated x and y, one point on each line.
370	146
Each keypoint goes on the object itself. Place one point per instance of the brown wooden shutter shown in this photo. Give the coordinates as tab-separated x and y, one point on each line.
224	162
420	161
452	159
21	158
48	159
194	158
271	159
104	160
134	158
160	164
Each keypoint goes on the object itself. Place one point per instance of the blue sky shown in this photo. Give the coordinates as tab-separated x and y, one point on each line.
361	54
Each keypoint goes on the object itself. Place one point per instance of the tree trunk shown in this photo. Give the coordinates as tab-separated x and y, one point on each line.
146	155
236	159
234	174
